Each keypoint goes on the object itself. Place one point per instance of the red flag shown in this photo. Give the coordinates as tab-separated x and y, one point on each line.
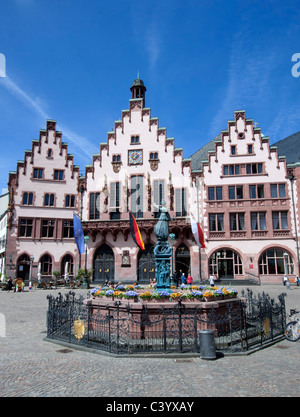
197	231
135	232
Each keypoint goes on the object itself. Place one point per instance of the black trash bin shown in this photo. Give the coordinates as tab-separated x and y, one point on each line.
207	344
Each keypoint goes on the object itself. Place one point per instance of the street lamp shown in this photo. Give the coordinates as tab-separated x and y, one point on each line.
292	179
85	283
286	257
172	238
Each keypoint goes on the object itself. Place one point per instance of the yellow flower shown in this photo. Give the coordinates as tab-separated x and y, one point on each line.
176	295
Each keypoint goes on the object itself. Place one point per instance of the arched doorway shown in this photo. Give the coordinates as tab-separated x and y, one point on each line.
146	264
104	265
225	263
23	267
182	259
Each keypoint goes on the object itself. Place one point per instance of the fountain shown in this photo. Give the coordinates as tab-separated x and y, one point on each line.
162	250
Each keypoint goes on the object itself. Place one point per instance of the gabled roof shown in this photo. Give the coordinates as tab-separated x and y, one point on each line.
202	154
290	148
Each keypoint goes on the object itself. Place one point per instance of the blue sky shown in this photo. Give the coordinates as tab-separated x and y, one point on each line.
74	61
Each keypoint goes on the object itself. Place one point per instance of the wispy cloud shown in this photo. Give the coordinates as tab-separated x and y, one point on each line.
249	74
153	44
83	144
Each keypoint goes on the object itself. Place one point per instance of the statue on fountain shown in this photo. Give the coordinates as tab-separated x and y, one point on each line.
162	250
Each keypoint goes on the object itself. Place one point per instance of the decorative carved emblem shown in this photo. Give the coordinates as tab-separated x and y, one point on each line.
116	166
79	329
154	165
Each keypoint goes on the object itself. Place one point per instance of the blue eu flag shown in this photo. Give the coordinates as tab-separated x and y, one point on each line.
78	233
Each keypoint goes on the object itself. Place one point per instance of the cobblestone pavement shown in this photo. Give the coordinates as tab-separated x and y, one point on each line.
33	367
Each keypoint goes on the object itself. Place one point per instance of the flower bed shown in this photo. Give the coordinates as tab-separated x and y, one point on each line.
185	293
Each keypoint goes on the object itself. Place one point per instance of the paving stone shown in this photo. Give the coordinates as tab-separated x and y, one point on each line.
31	366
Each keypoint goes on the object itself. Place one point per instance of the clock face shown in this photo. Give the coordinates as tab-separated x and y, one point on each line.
135	157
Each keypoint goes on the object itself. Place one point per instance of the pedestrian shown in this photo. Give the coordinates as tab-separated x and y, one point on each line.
9	285
284	280
189	279
183	281
211	280
297	281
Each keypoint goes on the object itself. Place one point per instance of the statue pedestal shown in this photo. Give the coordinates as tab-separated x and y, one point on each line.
162	253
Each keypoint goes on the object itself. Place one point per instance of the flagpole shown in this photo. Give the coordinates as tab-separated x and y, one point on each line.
79	254
199	249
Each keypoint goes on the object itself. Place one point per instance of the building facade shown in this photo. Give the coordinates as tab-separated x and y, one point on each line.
43	193
244	195
3	232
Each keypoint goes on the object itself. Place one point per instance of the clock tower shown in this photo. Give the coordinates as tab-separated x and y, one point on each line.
138	90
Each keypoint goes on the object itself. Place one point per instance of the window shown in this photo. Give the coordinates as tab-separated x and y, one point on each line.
237	221
46	265
254	168
25	227
116	158
233	150
27	199
159	195
235	192
258	221
134	140
250	149
94	206
38	173
215	193
277	190
58	175
280	220
225	263
68	231
153	155
256	191
115	200
231	170
67	266
47	228
70	200
181	203
137	195
272	262
49	200
49	153
216	222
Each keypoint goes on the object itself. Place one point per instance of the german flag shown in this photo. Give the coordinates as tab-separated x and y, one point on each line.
135	232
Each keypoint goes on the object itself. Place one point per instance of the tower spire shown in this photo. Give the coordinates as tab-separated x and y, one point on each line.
138	89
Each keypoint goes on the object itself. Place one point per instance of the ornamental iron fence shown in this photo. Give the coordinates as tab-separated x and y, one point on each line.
251	323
